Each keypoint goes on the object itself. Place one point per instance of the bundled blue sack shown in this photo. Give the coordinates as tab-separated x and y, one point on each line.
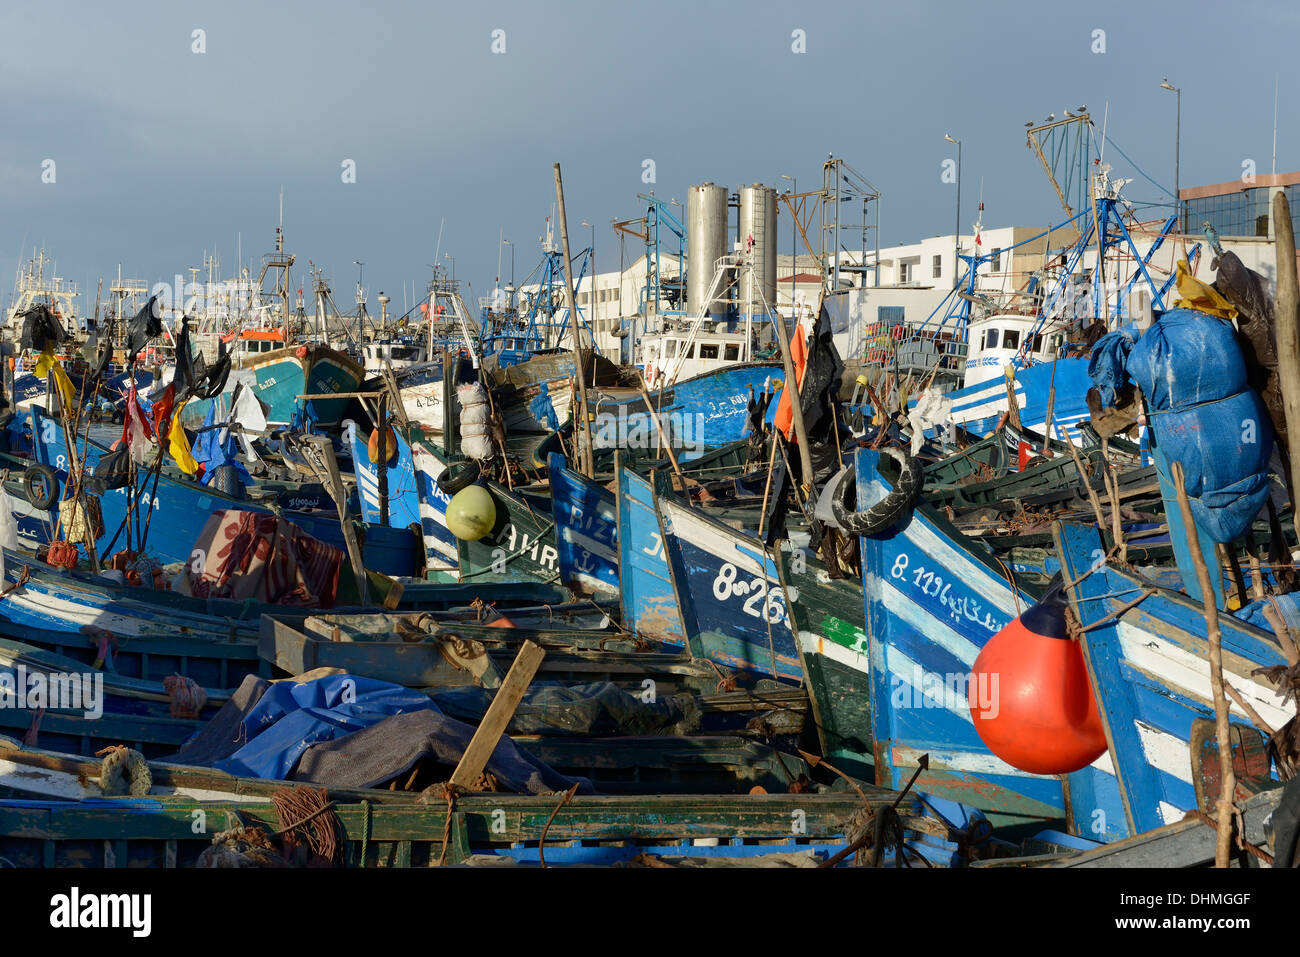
1203	414
1288	607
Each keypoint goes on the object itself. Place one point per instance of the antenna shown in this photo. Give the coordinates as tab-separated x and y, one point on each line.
1105	121
1274	124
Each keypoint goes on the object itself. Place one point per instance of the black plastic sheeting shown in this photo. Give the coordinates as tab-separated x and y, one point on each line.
40	329
377	753
599	707
144	325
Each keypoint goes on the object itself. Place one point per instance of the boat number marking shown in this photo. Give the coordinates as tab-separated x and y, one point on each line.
932	586
656	548
726	586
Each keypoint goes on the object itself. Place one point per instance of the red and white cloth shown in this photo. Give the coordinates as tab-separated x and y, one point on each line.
263	557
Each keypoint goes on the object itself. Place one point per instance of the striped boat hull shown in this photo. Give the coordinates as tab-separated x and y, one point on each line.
1150	671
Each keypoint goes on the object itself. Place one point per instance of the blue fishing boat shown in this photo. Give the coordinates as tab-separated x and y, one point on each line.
520	547
179	509
701	413
728	589
646	593
932	602
586	530
1149	668
284	374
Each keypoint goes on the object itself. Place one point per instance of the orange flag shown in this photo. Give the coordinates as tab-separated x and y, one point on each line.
784	419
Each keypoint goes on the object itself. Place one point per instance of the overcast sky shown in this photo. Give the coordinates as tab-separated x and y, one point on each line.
160	152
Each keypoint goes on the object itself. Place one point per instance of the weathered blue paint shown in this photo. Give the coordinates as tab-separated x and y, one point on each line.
704	412
180	508
932	603
1150	674
646	584
729	592
282	376
586	530
977	408
403	496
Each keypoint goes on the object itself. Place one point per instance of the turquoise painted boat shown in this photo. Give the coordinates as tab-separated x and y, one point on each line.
285	374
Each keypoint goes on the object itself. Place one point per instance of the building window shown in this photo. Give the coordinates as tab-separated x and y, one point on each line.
997	259
904	272
938	267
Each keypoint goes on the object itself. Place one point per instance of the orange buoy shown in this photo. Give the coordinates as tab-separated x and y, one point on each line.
390	445
1031	700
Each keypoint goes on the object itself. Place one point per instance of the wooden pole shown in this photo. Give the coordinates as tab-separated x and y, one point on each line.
1087	486
581	435
792	389
1287	327
1047	420
497	718
1228	778
767	486
1013	405
659	427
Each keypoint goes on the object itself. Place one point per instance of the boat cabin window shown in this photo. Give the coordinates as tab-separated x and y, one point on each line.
708	350
1011	339
731	353
690	351
1035	344
991	339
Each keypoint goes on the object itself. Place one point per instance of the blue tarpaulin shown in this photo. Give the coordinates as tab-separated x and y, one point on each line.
352	732
212	452
292	716
1287	605
1203	415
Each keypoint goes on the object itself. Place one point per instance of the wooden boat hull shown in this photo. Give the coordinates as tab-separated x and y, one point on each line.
180	508
520	547
586	531
701	413
727	587
1150	674
283	375
829	620
932	602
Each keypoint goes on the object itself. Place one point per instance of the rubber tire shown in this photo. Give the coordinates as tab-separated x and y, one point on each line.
892	508
459	475
41	483
1286	827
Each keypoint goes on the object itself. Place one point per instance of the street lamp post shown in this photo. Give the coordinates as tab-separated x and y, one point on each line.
956	236
1178	141
594	294
512	269
794	250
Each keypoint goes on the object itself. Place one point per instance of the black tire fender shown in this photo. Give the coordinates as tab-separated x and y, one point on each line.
41	483
459	475
889	510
